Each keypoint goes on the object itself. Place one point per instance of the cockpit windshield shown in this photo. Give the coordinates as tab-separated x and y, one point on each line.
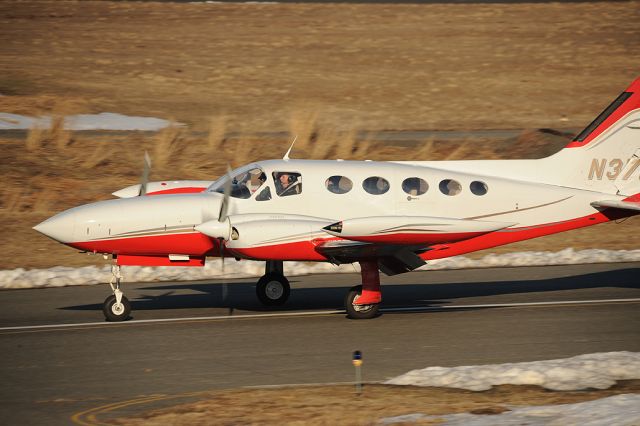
243	183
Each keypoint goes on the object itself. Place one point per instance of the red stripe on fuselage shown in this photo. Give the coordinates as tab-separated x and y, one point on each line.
192	243
185	190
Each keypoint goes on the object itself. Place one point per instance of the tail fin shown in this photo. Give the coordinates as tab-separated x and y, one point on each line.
606	154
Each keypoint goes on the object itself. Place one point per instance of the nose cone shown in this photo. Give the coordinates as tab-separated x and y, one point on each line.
59	227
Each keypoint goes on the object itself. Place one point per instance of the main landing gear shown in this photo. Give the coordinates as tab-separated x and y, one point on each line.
363	301
273	288
116	307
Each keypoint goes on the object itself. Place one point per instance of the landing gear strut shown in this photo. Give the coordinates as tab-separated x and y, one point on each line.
363	301
273	287
116	307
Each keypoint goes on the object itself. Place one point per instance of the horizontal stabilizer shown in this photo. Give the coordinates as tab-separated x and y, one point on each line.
615	204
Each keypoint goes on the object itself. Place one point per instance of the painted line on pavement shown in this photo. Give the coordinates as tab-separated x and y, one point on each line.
509	305
313	313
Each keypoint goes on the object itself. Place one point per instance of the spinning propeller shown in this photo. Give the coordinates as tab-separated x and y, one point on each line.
220	229
144	179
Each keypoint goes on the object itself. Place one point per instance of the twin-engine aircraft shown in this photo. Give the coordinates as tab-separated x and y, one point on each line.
387	216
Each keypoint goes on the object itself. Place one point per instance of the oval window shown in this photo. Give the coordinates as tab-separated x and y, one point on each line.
478	188
450	187
338	184
415	186
375	185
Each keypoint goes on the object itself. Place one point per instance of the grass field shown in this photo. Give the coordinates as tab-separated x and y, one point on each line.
307	405
322	72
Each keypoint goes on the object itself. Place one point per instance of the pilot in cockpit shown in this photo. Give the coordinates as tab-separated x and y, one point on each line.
287	183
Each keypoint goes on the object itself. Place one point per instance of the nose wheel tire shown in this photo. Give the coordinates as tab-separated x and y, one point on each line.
359	311
273	289
116	311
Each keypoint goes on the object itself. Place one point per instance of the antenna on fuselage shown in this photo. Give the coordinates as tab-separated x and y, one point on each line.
286	156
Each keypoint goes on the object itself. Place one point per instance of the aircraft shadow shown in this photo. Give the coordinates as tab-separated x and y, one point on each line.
241	295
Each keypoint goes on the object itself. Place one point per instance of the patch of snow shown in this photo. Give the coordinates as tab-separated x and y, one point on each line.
60	276
102	121
619	410
599	371
567	256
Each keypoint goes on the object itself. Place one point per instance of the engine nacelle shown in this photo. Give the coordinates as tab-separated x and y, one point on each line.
276	238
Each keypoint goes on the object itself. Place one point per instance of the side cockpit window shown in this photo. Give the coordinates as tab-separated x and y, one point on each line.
287	183
264	195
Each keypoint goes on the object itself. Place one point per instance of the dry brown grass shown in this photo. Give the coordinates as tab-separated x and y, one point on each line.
34	140
165	146
386	66
303	127
332	405
217	133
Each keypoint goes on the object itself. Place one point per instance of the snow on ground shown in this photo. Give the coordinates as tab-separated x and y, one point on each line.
598	371
102	121
60	276
619	410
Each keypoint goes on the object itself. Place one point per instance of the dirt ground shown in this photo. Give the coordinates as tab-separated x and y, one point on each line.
308	405
320	71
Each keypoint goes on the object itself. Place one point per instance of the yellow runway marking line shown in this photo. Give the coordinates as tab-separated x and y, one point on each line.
89	417
79	326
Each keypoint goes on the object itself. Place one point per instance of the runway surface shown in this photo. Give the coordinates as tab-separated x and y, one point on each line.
183	338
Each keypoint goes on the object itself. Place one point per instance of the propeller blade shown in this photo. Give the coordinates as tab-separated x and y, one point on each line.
145	174
225	290
224	207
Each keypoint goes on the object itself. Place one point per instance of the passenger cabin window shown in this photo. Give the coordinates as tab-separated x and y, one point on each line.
375	185
478	188
339	184
287	183
450	187
415	186
243	184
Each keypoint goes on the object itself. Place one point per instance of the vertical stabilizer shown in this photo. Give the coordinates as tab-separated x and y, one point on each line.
605	156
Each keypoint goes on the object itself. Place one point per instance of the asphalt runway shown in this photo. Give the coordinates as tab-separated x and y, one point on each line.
183	338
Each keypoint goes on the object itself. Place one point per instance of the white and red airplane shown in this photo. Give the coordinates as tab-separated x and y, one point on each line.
387	216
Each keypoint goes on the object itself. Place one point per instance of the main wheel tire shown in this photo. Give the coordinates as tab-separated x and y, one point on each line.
115	313
359	311
273	289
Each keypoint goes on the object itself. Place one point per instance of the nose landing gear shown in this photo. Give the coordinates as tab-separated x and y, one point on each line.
273	288
116	307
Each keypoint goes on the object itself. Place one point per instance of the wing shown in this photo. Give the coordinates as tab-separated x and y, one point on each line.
397	241
393	259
